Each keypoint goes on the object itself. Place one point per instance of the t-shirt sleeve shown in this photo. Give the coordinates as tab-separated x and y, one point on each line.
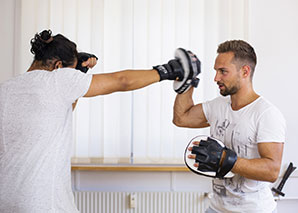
72	84
206	109
210	108
271	126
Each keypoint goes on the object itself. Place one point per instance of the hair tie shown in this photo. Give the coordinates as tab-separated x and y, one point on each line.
47	41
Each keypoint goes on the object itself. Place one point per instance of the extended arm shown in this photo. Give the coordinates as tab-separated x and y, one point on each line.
183	68
121	81
265	168
186	114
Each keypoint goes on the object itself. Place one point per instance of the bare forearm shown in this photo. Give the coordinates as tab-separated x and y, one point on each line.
136	79
263	169
126	80
186	114
182	105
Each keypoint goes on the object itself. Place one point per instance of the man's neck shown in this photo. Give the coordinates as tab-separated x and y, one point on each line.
242	98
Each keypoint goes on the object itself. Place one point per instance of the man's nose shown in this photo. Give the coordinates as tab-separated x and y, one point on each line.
217	77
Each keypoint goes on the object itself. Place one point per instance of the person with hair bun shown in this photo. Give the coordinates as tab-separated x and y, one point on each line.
36	121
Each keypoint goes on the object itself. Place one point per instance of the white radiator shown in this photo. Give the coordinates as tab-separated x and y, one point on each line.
140	202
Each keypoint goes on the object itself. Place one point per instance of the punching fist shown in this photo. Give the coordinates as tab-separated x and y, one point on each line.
170	71
214	159
83	63
183	69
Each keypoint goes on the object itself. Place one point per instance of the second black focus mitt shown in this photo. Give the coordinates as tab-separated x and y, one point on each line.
214	158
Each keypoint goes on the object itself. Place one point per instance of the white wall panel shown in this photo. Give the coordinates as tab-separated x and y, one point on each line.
117	107
97	103
7	30
154	96
43	15
82	22
55	15
27	32
70	20
168	45
140	97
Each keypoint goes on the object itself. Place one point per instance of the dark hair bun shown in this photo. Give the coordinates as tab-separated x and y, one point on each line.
39	43
46	35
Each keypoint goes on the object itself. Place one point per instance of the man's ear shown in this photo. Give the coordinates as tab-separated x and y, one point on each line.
246	71
58	65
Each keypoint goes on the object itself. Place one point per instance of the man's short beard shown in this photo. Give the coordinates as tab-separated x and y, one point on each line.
233	90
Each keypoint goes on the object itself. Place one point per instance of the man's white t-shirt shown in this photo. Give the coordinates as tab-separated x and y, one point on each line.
241	131
36	140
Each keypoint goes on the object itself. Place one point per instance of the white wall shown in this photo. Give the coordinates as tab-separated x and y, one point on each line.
273	29
273	32
7	29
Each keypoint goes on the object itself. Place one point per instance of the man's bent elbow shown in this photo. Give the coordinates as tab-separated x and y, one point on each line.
273	178
178	122
273	174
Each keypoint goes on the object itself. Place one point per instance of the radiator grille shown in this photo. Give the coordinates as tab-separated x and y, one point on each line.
146	202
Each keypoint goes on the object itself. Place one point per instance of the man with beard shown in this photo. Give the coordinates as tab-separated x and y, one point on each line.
246	123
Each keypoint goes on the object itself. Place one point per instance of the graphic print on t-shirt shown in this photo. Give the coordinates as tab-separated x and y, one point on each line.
221	127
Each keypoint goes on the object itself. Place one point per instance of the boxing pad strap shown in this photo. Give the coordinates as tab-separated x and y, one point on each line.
227	163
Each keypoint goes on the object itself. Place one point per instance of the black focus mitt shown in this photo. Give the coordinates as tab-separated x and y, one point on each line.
183	69
214	158
82	57
191	66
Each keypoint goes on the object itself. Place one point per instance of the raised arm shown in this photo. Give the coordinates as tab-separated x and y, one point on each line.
186	114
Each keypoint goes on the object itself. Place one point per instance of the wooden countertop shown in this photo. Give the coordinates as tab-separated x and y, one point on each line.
130	168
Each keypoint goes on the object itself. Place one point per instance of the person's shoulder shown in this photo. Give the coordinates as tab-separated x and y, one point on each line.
67	70
264	103
14	79
264	106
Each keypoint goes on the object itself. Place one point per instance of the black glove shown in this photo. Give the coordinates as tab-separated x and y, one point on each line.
209	155
170	71
82	57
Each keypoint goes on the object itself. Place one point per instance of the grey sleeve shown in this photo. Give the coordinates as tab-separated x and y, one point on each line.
72	84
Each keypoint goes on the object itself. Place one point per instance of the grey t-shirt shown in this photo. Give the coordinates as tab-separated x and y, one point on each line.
36	140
